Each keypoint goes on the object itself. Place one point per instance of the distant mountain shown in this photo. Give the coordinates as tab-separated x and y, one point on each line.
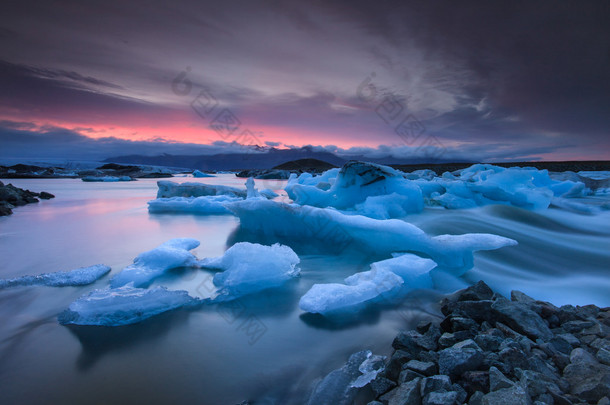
232	161
259	159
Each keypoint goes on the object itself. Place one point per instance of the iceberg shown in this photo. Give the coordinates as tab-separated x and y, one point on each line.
198	173
149	265
249	267
354	185
106	178
124	305
386	280
169	189
360	288
340	231
213	204
76	277
340	386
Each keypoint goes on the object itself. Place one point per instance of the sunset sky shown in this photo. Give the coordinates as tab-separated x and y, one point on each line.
486	81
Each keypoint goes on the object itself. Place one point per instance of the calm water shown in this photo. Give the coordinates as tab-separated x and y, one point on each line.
262	348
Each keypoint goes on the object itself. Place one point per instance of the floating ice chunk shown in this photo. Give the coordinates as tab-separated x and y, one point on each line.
251	192
149	265
355	183
388	206
369	368
268	193
198	173
169	189
340	386
76	277
106	178
334	229
360	288
383	282
213	204
414	270
124	305
250	267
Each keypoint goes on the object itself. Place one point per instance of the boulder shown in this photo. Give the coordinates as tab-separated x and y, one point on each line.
522	319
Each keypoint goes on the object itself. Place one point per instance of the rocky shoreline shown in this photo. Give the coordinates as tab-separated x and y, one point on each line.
491	350
11	197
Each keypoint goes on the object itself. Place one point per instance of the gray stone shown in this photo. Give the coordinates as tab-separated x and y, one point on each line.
394	367
408	375
603	355
507	396
466	344
479	311
477	292
381	385
537	384
421	367
561	344
476	398
518	296
441	398
474	381
576	326
588	379
454	362
435	383
497	380
462	394
375	403
488	342
604	401
522	319
405	394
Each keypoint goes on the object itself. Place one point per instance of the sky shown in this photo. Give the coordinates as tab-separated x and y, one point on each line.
482	81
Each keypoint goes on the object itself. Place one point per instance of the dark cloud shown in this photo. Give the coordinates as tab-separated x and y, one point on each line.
531	77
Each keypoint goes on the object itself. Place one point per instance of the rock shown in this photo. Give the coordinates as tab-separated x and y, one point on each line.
514	358
576	326
375	403
537	384
589	380
474	381
603	355
408	342
462	394
522	319
46	196
604	401
476	398
441	398
497	380
405	394
381	385
466	344
507	396
449	339
454	323
454	362
561	344
425	368
408	375
477	292
479	311
394	367
488	342
435	383
518	296
506	331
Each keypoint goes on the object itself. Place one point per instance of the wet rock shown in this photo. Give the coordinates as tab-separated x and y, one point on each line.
424	368
405	394
522	319
441	398
588	379
476	398
381	385
507	396
477	292
497	380
603	355
435	383
474	381
454	362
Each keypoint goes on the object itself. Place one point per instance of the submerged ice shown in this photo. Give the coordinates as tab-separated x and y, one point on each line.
124	305
340	386
383	282
247	268
335	229
76	277
149	265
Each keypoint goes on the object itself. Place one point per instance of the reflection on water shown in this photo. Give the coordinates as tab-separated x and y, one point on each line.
262	347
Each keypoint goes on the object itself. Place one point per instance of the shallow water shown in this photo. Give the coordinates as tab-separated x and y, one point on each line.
262	347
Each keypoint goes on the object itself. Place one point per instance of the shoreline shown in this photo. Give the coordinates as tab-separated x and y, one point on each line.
491	350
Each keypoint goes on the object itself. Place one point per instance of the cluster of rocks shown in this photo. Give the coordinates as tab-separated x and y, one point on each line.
11	197
265	174
21	171
491	350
